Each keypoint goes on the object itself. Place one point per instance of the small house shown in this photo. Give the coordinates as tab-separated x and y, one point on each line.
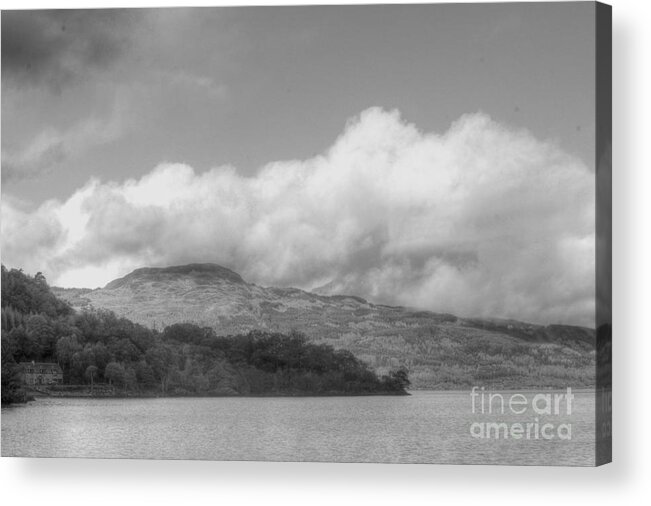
41	373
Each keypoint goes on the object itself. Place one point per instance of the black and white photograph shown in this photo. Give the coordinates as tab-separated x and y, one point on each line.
336	233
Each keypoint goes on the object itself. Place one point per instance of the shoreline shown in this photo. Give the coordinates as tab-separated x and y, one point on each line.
32	396
41	395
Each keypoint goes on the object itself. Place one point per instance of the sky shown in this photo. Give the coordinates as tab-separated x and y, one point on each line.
436	156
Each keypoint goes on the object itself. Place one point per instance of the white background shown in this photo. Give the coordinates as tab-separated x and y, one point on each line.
626	481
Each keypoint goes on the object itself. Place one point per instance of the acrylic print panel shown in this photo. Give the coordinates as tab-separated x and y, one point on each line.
319	233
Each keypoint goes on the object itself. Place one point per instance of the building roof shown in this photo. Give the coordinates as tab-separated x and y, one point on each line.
51	367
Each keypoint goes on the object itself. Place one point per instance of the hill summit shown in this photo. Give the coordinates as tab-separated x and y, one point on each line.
202	273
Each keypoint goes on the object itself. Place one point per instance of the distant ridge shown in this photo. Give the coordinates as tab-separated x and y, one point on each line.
441	350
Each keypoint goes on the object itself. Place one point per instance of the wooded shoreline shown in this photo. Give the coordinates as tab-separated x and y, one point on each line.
49	346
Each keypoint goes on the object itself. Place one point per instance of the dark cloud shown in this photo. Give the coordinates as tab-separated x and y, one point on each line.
55	48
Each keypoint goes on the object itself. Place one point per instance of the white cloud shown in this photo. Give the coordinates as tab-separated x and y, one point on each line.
481	220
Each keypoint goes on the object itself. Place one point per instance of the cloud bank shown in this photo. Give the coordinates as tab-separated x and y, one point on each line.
482	220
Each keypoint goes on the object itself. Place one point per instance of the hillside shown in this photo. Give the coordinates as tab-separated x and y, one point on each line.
440	350
101	354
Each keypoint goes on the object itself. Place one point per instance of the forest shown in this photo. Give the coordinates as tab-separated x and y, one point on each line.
95	347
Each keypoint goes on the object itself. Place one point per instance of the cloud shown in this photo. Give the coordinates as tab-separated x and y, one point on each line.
197	83
482	220
51	147
56	48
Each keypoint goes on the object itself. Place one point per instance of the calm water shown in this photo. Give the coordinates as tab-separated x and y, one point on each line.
424	427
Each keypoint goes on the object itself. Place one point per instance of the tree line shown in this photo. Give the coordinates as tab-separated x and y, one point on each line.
97	347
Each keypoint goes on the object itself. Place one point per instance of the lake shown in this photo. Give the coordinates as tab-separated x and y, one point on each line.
426	427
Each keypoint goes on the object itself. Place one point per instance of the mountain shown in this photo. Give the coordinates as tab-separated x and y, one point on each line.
440	350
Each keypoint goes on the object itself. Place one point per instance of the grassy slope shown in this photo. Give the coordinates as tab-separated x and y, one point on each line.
441	351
